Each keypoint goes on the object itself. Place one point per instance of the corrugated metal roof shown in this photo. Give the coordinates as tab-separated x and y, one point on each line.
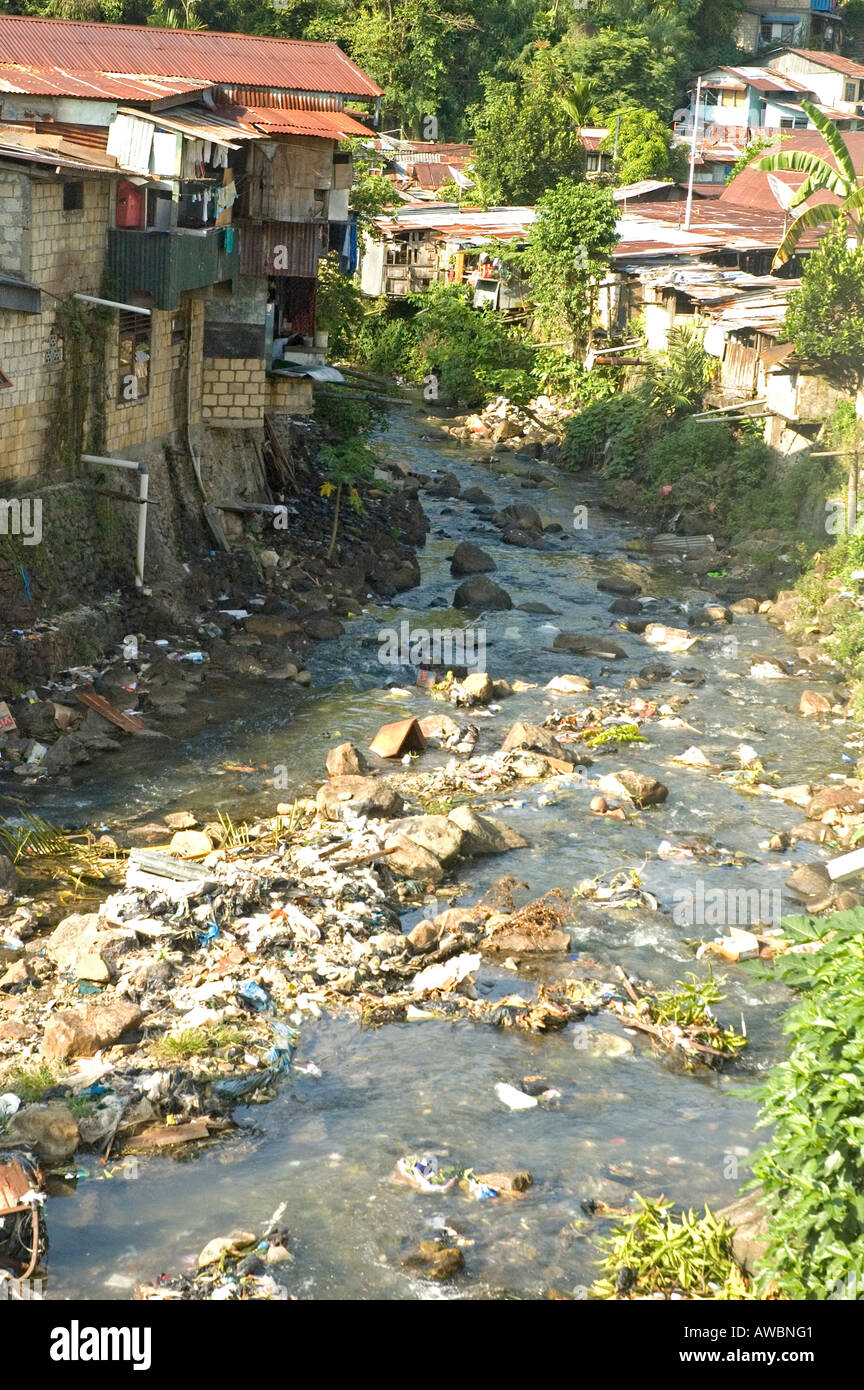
57	82
199	125
831	60
323	125
460	224
202	54
11	150
279	100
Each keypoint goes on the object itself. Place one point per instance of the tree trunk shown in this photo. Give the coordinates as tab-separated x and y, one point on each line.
335	532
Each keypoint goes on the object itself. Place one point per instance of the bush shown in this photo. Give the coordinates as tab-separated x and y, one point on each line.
812	1171
473	353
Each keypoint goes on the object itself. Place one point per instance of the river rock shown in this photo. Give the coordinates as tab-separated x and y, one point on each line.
570	685
479	593
634	786
439	726
470	559
809	881
180	820
834	799
358	796
479	686
712	615
93	968
485	834
539	740
749	1222
611	584
812	703
436	1260
190	844
82	935
522	515
506	1184
20	972
49	1128
423	936
509	937
589	644
8	881
85	1031
628	607
346	761
742	606
412	860
437	834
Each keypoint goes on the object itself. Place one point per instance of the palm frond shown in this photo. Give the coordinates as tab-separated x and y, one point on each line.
817	170
834	140
812	217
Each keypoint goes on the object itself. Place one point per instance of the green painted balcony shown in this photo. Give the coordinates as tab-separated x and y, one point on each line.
166	264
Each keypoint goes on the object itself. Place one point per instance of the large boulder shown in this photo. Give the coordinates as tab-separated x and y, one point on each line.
343	797
346	761
539	740
485	834
838	800
470	559
437	834
523	515
634	786
50	1128
408	859
85	1031
478	594
82	935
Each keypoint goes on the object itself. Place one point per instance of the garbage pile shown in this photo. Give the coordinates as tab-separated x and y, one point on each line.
512	427
240	1267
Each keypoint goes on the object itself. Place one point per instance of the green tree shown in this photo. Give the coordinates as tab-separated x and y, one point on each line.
568	254
841	180
524	140
578	101
645	149
825	319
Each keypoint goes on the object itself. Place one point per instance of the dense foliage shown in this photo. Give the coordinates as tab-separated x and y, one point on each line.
472	354
826	314
437	57
811	1170
568	254
525	140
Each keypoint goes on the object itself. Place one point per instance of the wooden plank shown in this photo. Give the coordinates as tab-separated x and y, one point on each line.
130	723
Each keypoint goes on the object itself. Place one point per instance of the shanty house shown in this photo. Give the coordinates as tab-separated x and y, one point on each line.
193	180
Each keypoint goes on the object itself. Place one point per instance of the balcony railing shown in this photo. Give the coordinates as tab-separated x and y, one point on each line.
165	264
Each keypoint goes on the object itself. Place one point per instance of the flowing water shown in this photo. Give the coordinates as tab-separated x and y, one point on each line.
327	1145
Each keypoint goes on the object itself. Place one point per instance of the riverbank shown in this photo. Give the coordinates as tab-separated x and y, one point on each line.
428	1085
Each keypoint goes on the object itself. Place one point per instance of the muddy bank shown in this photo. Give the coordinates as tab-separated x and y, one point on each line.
254	612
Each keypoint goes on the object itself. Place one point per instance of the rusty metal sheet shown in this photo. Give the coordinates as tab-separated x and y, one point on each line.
142	51
282	248
130	723
403	736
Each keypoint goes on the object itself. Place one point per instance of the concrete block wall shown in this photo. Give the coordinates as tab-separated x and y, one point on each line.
287	395
234	392
58	251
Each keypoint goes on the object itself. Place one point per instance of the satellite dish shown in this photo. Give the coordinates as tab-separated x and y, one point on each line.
783	192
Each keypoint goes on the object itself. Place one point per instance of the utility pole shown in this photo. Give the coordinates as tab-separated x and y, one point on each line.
689	209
